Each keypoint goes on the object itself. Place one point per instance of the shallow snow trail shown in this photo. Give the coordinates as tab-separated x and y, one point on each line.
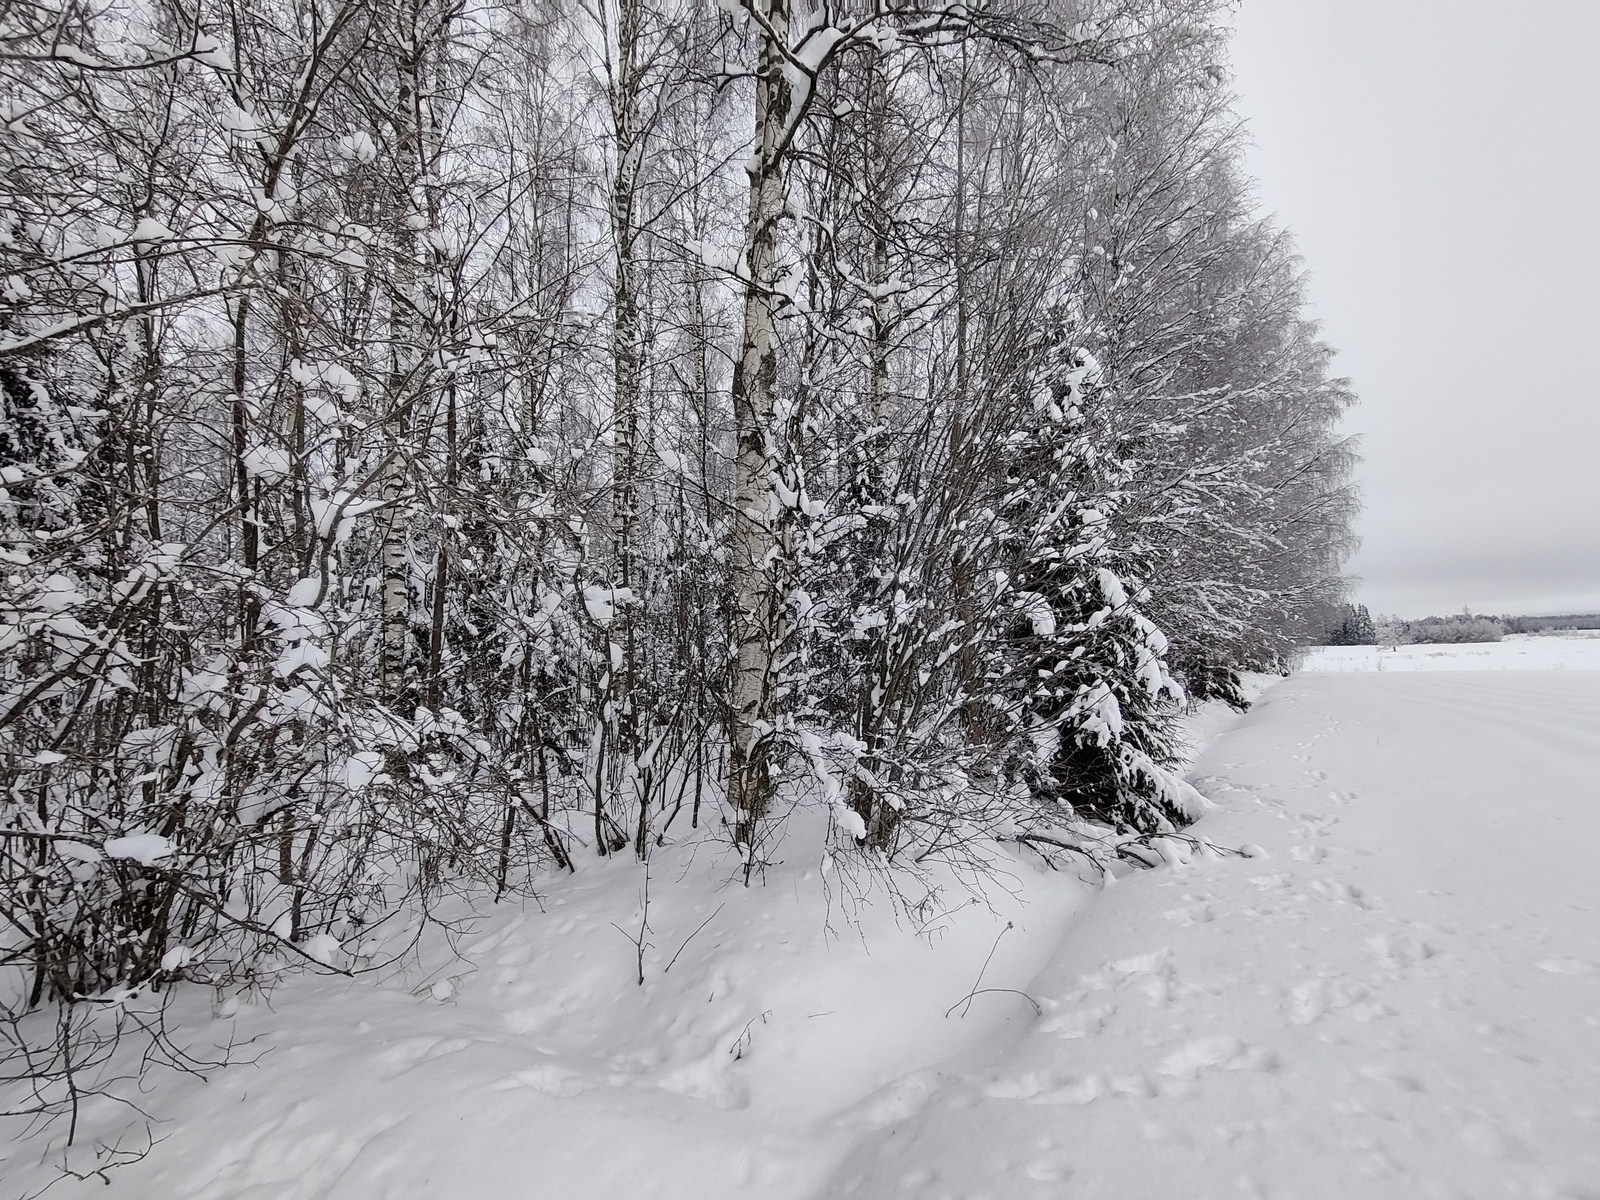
1402	999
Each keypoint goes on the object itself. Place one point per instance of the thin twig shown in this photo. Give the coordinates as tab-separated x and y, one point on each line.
967	999
985	991
690	938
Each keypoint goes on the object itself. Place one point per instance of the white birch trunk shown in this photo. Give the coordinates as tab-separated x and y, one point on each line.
756	620
393	566
627	364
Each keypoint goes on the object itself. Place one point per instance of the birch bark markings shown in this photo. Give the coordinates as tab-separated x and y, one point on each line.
756	620
624	84
404	365
758	567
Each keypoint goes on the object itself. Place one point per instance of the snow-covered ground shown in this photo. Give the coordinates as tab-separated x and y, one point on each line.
1519	652
1393	993
775	1027
1401	999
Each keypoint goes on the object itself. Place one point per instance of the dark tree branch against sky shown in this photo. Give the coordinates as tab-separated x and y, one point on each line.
1436	160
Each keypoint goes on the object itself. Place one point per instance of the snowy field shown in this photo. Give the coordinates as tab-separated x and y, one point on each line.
1401	999
1519	652
1392	993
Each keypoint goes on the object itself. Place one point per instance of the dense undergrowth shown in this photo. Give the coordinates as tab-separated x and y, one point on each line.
437	449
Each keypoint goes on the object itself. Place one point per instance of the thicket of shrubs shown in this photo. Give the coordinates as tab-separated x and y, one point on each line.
1447	630
430	456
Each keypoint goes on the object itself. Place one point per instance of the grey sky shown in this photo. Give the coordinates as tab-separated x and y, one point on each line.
1439	162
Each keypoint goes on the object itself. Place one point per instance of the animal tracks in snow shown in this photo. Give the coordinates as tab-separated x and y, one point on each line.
1194	914
1311	1000
1226	1053
1053	1167
1078	1022
1341	891
1400	951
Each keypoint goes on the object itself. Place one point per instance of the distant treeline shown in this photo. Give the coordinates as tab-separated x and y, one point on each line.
1441	630
1545	624
1353	625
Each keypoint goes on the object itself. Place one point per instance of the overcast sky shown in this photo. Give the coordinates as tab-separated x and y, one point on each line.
1439	163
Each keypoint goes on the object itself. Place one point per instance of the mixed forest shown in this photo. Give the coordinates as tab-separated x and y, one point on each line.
445	441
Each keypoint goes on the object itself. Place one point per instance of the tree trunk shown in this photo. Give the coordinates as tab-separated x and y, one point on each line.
405	365
875	684
960	453
627	368
756	620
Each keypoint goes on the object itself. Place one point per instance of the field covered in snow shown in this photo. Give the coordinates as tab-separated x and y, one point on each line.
1375	972
1518	652
1399	1000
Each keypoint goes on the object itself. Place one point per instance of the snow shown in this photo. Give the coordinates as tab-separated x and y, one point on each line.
601	602
178	956
147	849
57	594
269	463
151	230
304	592
1371	970
773	1030
209	51
322	380
302	654
325	948
1039	613
358	146
1399	1001
1518	652
336	515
